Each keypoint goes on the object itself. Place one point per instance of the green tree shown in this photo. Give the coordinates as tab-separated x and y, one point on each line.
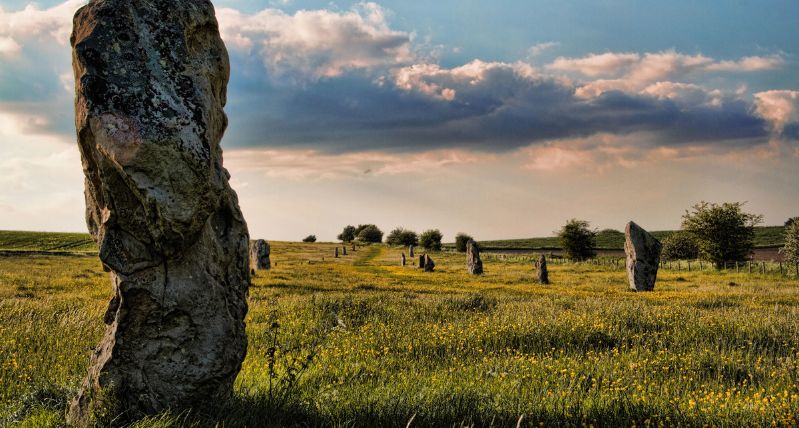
577	239
461	240
791	248
723	232
402	236
370	233
360	229
348	234
309	238
680	246
431	240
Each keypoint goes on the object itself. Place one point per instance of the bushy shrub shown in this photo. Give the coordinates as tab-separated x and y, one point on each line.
370	234
431	240
577	239
348	234
402	236
723	232
791	248
461	240
309	238
680	246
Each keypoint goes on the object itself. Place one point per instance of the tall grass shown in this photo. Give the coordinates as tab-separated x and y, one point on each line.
362	341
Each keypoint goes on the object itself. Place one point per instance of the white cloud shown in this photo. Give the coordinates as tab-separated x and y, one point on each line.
779	107
632	72
54	23
540	48
314	165
9	47
445	83
318	43
594	65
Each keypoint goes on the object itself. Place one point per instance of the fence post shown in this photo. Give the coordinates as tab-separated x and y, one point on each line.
763	264
796	265
780	268
736	268
700	265
749	266
689	265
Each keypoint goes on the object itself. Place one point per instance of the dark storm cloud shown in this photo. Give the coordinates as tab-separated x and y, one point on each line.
499	109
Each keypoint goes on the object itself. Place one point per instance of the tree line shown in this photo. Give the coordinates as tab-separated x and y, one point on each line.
717	233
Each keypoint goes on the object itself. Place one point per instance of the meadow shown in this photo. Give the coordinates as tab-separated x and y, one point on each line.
361	341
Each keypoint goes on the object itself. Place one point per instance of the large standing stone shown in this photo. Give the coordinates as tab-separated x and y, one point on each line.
402	260
473	262
151	79
421	261
344	250
259	256
643	257
428	264
336	252
410	250
541	270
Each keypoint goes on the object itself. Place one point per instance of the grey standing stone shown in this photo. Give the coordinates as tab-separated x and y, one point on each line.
643	257
541	270
410	250
336	253
151	82
402	260
473	262
421	261
428	264
259	256
344	250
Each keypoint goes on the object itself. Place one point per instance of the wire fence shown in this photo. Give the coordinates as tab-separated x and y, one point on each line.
788	269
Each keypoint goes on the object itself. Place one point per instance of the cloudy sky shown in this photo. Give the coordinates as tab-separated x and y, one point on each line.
502	119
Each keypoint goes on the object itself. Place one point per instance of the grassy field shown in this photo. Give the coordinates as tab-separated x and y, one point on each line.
46	241
388	344
765	236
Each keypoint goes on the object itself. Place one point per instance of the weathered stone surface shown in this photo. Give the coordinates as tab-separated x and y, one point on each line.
410	250
344	250
541	270
643	257
421	261
473	262
336	253
151	79
402	260
259	255
428	264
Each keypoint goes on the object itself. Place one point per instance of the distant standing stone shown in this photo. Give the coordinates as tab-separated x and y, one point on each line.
344	250
410	250
643	257
542	274
473	262
336	254
402	260
259	256
421	261
428	264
